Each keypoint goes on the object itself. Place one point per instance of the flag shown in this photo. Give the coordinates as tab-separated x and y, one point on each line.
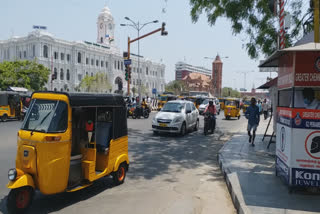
111	39
107	36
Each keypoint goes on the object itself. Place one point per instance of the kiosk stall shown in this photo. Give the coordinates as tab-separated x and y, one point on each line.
298	114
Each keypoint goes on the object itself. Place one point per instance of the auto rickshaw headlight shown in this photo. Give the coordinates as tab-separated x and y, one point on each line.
12	174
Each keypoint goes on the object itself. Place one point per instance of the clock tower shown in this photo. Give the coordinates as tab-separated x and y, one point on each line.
105	27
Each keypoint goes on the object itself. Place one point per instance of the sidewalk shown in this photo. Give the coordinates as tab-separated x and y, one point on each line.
250	176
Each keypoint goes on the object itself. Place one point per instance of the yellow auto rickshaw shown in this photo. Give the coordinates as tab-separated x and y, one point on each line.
221	101
66	142
164	98
10	105
232	108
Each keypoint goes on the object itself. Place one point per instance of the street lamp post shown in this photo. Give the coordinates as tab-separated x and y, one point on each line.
138	27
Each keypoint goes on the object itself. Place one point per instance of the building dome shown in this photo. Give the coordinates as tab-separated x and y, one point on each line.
105	12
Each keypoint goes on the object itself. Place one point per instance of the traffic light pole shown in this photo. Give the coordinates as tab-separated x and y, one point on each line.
132	41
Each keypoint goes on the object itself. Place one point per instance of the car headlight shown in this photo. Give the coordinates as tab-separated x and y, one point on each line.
12	174
178	120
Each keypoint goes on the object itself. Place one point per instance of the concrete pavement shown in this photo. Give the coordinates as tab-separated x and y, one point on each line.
250	176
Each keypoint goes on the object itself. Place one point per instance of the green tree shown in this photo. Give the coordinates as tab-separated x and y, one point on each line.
97	83
144	90
254	19
176	87
134	91
26	74
229	92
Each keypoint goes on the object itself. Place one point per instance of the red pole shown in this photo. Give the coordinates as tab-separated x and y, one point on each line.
282	31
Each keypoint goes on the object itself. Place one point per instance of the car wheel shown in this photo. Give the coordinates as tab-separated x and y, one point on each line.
196	127
120	174
183	129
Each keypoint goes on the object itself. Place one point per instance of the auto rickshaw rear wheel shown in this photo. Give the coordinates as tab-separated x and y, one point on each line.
19	200
120	174
4	118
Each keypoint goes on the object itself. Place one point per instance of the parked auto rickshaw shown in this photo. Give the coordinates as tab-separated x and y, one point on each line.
10	105
75	140
196	100
232	108
246	104
221	100
164	98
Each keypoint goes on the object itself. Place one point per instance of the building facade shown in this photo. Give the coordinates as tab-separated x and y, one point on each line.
72	61
183	69
217	76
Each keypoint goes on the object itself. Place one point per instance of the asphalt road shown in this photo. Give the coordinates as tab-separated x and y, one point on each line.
168	174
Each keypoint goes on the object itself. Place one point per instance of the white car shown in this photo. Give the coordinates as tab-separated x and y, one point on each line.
177	116
205	104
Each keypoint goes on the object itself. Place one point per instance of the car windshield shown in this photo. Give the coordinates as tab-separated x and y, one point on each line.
48	116
205	102
172	107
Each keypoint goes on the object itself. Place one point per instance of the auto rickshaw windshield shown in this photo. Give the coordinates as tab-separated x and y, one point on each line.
163	98
49	116
230	103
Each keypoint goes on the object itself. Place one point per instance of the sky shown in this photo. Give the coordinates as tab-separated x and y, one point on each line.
75	20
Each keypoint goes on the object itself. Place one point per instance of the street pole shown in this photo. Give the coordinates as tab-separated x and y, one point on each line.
316	21
139	77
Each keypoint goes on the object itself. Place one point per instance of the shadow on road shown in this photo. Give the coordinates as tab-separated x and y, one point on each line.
152	156
53	203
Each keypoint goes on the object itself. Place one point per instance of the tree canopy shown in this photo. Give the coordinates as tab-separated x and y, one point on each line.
176	87
229	92
96	83
26	74
254	19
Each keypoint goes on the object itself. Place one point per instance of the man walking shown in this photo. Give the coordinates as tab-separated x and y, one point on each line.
265	109
253	116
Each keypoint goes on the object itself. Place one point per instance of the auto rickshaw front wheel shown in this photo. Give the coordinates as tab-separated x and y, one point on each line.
120	174
19	200
4	118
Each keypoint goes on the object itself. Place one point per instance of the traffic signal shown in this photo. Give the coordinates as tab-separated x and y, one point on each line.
163	30
127	73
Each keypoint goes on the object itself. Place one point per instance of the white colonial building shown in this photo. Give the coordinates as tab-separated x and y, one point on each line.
72	61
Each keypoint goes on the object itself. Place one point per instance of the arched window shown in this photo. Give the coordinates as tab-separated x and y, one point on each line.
61	89
86	73
61	74
101	39
68	74
91	74
147	70
79	57
118	65
33	50
55	89
45	51
115	64
97	63
56	73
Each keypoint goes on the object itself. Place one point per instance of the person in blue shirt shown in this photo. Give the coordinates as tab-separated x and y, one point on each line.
253	116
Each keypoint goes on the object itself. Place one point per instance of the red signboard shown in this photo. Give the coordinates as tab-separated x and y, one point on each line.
307	69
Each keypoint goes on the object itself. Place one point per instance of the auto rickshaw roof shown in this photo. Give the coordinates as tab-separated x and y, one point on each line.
92	99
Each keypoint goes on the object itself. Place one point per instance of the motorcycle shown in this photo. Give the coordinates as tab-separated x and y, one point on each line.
209	123
140	112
